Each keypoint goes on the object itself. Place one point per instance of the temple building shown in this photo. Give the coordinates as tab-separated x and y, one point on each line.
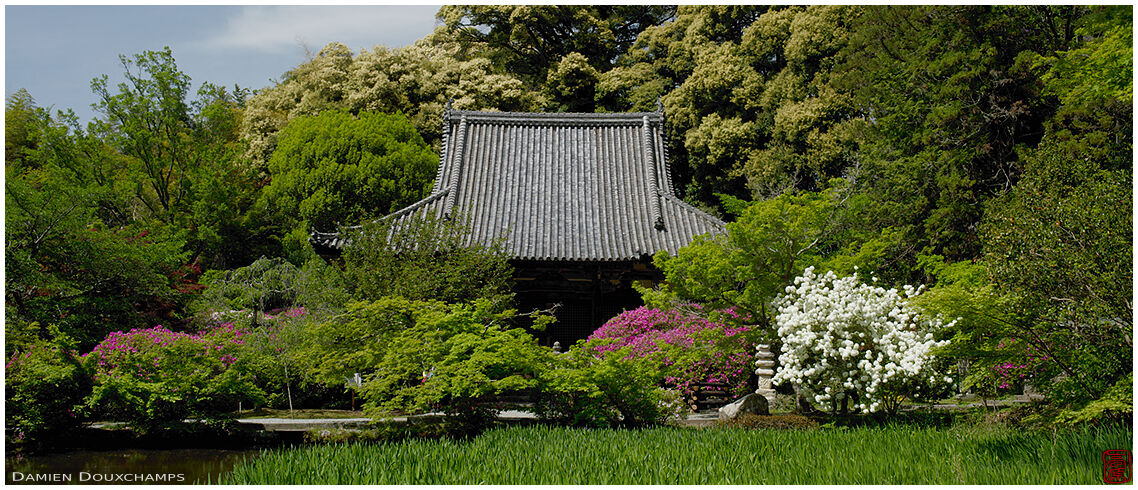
580	203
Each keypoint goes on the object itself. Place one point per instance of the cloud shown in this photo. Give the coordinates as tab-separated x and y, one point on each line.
283	28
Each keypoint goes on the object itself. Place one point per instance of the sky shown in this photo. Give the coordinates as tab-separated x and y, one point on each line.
55	51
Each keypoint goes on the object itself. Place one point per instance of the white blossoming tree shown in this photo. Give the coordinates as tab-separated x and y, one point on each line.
844	338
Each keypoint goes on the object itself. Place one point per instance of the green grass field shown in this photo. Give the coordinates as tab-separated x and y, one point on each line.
551	455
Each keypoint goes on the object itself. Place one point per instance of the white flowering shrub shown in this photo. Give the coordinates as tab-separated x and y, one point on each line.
841	336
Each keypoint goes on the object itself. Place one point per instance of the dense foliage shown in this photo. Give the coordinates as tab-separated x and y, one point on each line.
268	285
768	244
416	80
155	377
44	388
338	169
613	388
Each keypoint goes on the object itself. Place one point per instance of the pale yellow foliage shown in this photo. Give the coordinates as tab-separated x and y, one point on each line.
416	80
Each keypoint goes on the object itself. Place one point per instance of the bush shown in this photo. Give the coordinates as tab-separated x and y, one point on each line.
154	377
428	355
272	352
690	348
44	390
1116	405
608	389
843	338
418	356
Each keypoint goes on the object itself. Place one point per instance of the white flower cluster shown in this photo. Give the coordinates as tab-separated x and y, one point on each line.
842	335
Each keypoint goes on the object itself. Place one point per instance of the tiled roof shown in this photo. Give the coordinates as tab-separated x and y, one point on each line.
559	186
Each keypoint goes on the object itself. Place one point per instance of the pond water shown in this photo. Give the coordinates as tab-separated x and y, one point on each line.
124	466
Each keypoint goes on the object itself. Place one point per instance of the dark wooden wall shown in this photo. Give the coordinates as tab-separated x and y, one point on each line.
590	293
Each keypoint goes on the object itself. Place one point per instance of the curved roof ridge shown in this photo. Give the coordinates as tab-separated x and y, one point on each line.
418	204
335	239
682	203
554	117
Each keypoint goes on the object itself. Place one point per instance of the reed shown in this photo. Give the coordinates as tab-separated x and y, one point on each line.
554	455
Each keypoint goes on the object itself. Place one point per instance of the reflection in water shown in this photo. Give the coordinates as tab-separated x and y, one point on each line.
125	466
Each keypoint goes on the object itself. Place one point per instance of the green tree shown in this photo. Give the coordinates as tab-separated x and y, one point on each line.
572	84
107	227
751	110
421	355
65	264
179	157
338	168
770	243
1049	300
950	96
530	40
1097	70
416	80
20	124
1061	244
271	284
148	120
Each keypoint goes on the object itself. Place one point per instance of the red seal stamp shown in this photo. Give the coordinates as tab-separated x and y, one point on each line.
1116	464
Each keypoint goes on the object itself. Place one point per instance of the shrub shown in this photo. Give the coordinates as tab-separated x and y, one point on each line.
274	354
1010	364
44	390
420	356
1116	405
691	348
609	389
843	338
428	355
154	377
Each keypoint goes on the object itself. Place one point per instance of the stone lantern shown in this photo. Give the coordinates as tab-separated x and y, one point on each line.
764	368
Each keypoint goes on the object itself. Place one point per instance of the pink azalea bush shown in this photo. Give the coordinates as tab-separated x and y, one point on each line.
147	352
155	375
1008	373
293	312
692	348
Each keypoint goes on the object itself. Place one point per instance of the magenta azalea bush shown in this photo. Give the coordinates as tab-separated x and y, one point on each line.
1014	363
691	348
155	376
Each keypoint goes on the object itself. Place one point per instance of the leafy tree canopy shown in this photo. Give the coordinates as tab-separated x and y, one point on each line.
416	80
338	168
531	40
